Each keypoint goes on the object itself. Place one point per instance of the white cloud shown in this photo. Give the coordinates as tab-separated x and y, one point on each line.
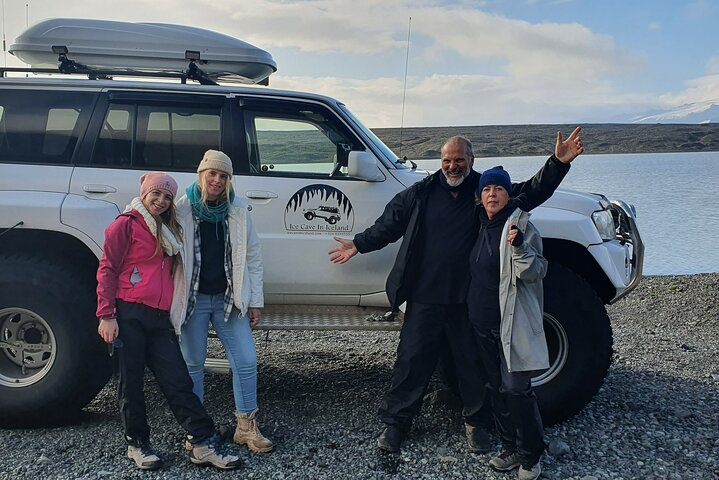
465	100
713	64
698	90
548	72
377	102
526	49
540	72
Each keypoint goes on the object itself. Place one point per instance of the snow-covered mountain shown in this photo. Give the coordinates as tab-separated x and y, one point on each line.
701	112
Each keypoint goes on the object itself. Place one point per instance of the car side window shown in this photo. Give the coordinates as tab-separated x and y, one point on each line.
158	137
296	139
42	127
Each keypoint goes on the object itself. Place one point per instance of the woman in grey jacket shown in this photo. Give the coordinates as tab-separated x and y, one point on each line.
224	287
505	309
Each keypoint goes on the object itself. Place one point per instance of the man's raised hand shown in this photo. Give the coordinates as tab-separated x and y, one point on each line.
569	149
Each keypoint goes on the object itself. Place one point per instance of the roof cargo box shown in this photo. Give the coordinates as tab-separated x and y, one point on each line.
142	47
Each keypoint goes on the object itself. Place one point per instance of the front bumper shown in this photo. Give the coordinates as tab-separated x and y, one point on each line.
629	237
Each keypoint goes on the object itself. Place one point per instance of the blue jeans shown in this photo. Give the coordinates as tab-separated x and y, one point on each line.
237	340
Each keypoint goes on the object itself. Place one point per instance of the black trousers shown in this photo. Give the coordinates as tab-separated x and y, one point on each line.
148	338
425	330
516	413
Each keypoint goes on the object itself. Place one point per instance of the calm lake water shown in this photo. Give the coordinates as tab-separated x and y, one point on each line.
675	195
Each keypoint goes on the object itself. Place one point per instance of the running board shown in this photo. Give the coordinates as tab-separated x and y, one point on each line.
328	317
316	317
218	365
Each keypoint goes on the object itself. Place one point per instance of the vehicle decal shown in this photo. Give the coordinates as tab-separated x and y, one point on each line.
319	209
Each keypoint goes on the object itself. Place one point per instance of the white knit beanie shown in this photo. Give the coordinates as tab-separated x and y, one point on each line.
216	160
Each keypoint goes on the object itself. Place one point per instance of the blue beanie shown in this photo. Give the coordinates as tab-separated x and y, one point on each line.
495	176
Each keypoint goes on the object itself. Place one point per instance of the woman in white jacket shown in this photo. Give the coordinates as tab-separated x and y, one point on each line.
505	308
224	287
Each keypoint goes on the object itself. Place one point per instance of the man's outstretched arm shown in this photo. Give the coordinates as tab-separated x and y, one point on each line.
542	185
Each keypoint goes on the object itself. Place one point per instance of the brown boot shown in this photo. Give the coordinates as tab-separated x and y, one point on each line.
248	433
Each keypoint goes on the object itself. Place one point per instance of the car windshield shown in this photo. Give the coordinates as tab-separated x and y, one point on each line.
388	153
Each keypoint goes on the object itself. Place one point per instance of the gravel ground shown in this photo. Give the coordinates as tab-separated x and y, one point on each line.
656	417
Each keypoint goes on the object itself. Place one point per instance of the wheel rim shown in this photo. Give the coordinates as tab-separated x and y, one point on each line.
558	346
27	347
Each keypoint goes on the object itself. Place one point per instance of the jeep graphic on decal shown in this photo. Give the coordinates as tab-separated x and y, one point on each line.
330	214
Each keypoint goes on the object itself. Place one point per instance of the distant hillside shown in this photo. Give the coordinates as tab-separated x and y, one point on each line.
515	140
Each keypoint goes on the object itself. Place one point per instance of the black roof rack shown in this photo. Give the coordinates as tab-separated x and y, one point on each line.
97	74
68	66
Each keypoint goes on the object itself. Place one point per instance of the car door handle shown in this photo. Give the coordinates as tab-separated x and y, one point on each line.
95	188
260	194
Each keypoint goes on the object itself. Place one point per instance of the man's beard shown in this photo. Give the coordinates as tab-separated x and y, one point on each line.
457	182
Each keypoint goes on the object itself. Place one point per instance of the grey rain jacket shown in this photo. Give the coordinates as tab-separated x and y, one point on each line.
521	270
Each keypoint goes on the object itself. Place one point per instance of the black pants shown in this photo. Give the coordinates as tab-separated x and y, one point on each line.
516	412
148	338
425	330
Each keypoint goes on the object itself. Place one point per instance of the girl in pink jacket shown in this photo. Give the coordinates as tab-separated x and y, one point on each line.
141	259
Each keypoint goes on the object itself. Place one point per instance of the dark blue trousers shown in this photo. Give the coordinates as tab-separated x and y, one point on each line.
426	330
516	413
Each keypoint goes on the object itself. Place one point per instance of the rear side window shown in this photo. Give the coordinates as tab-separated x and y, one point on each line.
157	137
42	127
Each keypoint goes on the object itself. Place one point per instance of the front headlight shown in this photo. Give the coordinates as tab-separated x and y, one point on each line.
604	222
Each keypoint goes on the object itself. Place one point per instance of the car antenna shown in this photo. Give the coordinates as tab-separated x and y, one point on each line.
402	159
4	50
27	24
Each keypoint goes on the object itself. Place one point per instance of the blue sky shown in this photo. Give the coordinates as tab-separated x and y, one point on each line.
470	62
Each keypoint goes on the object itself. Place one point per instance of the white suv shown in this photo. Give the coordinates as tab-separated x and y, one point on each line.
72	151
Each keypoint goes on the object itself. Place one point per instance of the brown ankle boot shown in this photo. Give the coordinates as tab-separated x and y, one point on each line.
248	433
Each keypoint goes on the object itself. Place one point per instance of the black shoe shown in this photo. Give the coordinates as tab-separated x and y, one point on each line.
477	439
391	439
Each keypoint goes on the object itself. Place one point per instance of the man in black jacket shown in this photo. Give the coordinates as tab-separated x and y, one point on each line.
437	223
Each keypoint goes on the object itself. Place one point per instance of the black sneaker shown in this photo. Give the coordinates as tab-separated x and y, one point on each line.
144	457
506	461
391	439
477	439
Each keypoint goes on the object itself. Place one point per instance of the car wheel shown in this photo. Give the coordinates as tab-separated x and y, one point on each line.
579	338
52	362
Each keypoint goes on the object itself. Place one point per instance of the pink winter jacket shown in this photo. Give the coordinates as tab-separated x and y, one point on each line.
129	268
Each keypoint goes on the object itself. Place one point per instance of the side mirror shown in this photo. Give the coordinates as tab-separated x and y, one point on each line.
364	165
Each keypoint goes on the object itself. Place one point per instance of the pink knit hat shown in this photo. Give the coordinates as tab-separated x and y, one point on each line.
157	181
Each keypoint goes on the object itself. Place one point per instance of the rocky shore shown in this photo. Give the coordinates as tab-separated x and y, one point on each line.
516	140
656	417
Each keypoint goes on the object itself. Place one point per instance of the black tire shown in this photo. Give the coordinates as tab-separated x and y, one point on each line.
309	216
579	337
332	220
51	308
